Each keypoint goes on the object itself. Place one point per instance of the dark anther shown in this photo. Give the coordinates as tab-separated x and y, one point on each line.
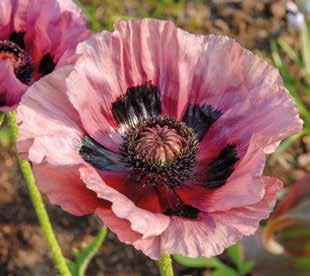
200	118
47	65
18	38
139	102
101	158
221	167
20	60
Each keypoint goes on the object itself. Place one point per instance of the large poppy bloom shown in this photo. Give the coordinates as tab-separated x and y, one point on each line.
162	134
36	36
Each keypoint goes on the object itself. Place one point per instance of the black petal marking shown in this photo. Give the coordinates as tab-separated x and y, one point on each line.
138	102
47	65
222	167
200	118
173	204
2	100
101	158
18	38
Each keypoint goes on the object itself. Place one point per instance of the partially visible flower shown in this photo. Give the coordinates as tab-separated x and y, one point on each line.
162	134
288	231
295	18
36	36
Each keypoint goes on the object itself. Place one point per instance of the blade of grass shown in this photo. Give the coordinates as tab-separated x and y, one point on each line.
290	51
305	42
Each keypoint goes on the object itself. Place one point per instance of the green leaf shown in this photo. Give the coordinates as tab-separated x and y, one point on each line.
289	51
235	254
246	267
305	42
84	256
212	262
225	271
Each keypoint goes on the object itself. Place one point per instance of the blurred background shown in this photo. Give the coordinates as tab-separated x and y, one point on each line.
277	31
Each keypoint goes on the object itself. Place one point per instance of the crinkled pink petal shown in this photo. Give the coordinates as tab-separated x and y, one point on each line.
47	118
64	187
259	115
118	225
136	52
242	188
5	18
121	227
158	51
54	27
11	89
212	233
144	222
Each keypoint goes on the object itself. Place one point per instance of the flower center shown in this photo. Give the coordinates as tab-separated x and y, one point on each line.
20	60
160	151
159	143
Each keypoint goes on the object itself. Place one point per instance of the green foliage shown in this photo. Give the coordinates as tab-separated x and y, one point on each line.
298	86
235	255
90	12
212	262
85	255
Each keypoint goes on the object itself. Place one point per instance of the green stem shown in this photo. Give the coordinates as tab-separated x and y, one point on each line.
165	265
38	204
94	249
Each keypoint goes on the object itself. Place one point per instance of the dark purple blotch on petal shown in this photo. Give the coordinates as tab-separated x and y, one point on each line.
173	204
100	157
47	65
200	118
221	167
183	210
139	102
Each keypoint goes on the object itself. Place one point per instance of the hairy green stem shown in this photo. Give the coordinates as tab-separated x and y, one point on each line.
165	265
38	204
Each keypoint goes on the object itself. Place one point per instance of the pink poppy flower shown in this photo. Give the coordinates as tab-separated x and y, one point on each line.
161	133
36	36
